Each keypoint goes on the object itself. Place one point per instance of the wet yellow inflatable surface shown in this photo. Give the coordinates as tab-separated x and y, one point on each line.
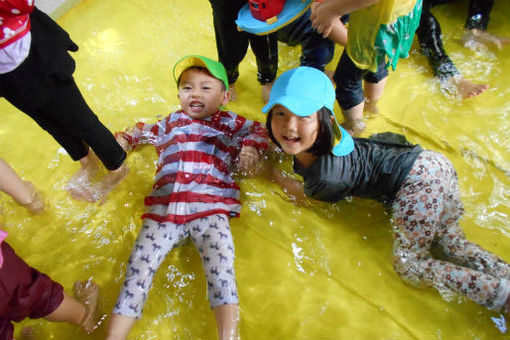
304	272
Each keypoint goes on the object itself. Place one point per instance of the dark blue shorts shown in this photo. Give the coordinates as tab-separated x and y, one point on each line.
349	81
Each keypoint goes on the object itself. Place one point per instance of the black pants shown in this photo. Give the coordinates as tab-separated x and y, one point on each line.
429	33
232	45
43	88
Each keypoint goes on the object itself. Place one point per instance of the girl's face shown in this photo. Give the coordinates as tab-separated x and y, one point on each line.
295	134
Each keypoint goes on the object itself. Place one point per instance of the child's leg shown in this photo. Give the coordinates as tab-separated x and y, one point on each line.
213	239
464	253
476	25
349	94
227	317
418	215
153	243
80	310
453	243
374	88
265	49
28	293
430	37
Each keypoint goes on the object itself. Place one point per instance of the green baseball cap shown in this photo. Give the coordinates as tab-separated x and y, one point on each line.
213	66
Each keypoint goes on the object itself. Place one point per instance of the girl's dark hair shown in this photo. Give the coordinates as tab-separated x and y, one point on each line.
325	137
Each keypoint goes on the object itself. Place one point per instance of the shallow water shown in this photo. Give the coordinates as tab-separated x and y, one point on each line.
309	272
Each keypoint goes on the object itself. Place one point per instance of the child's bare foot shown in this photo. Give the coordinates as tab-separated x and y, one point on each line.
79	186
482	37
87	292
354	126
232	93
266	90
102	188
464	88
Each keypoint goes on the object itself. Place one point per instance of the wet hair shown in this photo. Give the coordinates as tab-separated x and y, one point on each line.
325	136
201	69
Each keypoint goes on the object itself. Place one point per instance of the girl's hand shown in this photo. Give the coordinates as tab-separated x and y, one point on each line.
248	159
323	19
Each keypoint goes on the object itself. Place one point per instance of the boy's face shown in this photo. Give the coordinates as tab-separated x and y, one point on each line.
201	94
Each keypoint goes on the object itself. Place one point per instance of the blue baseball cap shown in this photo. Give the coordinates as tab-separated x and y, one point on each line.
305	90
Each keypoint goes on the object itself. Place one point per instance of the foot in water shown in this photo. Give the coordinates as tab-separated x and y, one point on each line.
79	186
87	292
82	188
102	188
484	38
464	88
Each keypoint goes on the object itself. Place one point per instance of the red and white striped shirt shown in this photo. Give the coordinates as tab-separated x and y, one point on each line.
193	177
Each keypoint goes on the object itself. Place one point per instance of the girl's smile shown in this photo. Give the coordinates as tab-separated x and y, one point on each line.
295	134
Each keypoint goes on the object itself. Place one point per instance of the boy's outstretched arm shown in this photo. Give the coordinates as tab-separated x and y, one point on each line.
25	193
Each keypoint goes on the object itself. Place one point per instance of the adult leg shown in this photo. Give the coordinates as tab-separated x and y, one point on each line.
152	245
76	125
214	241
418	212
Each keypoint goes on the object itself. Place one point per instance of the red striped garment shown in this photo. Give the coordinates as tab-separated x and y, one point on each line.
195	157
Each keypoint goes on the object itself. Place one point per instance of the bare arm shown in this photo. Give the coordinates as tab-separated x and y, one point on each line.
326	14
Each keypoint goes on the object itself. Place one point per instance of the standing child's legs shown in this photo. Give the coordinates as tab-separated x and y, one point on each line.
214	241
427	208
350	94
373	92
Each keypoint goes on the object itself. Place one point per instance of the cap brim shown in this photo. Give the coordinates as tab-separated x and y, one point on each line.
343	143
297	105
215	68
186	63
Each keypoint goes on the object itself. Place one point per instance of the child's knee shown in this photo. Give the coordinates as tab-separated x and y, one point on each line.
405	265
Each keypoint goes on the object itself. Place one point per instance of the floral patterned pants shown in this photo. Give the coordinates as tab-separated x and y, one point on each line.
426	214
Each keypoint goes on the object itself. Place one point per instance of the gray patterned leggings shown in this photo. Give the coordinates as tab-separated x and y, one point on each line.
213	239
426	215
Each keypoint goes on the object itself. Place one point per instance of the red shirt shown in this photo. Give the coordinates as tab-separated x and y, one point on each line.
14	20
